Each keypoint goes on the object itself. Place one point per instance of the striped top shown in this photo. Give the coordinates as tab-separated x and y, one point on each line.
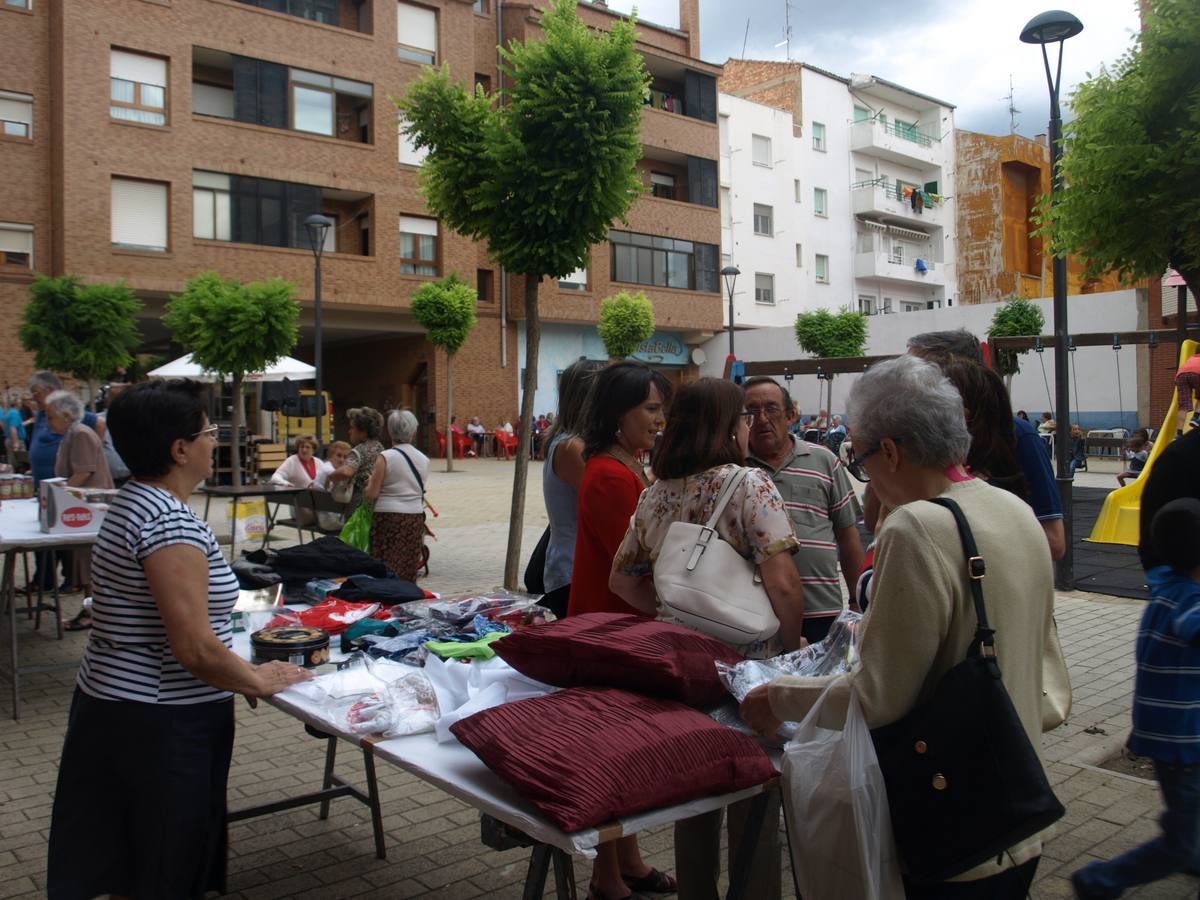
128	656
821	503
1166	696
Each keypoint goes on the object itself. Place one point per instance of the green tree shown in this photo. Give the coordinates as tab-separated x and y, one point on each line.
1017	317
825	334
233	329
87	331
446	310
625	321
540	176
1130	157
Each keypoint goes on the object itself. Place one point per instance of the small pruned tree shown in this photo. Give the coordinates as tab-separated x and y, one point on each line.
825	334
446	310
88	331
625	321
540	176
234	329
1017	317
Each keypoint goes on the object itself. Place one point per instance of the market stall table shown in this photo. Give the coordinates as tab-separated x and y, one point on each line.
454	769
236	492
20	532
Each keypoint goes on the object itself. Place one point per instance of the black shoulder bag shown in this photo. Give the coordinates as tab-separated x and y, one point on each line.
964	783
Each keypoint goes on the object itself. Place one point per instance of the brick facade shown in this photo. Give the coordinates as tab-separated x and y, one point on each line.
60	183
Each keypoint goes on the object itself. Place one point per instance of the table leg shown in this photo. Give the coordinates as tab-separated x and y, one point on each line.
368	751
10	562
745	856
535	877
233	531
564	875
327	781
787	833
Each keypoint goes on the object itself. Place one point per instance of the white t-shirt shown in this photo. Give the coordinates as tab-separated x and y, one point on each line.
401	491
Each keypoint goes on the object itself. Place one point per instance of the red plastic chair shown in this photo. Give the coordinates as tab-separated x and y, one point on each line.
462	443
441	442
506	443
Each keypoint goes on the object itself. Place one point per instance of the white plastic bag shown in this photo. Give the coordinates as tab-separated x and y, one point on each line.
838	819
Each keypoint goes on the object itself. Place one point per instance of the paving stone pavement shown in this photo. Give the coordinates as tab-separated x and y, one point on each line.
433	840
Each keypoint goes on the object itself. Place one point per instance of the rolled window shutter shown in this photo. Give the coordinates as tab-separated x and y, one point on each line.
418	225
416	26
16	238
139	214
16	107
136	67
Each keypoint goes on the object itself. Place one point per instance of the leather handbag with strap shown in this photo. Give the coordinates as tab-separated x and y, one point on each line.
1056	682
964	783
707	585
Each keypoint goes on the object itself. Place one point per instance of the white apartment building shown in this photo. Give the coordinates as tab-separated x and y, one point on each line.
835	193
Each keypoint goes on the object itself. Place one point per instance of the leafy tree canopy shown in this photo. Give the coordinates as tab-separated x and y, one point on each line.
543	176
1131	156
825	334
1017	317
446	310
625	321
233	328
87	331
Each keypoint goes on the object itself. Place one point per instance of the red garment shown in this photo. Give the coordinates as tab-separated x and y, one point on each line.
608	495
310	466
1191	365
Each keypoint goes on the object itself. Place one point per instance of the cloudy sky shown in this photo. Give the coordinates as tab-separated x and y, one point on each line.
960	51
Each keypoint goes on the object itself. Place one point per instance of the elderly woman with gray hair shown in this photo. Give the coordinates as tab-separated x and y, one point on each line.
912	439
81	461
365	426
397	489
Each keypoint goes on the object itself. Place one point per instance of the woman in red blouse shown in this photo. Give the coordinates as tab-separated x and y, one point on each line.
626	412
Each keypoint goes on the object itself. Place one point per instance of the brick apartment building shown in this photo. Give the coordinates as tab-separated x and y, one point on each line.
150	140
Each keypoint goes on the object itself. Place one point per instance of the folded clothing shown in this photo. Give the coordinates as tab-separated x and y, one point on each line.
625	651
389	590
326	557
586	756
335	616
477	649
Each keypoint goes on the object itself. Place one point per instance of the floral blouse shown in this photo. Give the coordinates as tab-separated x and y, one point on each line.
362	458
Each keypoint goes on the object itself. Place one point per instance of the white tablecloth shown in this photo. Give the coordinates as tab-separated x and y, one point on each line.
19	529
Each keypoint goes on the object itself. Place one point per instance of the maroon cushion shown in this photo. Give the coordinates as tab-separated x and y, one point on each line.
585	756
625	651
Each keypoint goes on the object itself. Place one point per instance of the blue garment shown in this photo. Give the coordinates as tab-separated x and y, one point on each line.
562	504
1177	849
1166	696
12	419
43	446
1035	465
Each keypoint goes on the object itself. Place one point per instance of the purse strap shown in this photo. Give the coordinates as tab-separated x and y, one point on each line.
984	643
726	494
416	474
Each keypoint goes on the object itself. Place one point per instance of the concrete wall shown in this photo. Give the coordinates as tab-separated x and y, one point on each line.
1097	405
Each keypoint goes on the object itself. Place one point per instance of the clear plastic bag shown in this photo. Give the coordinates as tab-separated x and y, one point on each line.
369	696
838	818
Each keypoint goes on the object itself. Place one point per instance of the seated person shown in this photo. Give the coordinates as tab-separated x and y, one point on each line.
476	430
335	458
1137	451
300	470
1078	449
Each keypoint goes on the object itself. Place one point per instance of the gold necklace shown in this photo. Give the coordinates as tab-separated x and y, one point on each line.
619	453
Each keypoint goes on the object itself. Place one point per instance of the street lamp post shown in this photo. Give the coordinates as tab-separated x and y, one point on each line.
317	226
1054	27
730	274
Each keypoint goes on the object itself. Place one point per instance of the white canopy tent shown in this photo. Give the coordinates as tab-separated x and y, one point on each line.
285	367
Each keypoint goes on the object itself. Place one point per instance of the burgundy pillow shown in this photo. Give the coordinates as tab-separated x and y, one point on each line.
625	651
586	756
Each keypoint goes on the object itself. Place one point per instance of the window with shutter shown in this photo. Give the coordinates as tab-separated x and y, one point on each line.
416	33
139	215
761	150
418	246
16	247
137	87
764	289
16	115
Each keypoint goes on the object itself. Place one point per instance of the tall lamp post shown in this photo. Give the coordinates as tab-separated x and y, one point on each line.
317	226
730	274
1054	27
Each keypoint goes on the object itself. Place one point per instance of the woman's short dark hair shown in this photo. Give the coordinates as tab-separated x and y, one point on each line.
366	420
1175	530
993	452
148	418
616	389
702	430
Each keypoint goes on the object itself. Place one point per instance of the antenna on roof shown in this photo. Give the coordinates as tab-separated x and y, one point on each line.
787	30
1013	112
746	37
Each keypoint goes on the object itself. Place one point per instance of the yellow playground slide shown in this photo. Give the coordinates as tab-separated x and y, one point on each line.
1118	520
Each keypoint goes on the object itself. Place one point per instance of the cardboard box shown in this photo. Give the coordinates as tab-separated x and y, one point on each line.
71	510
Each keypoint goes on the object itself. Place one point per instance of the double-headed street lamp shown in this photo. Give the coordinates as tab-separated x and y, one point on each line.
1054	27
730	274
317	226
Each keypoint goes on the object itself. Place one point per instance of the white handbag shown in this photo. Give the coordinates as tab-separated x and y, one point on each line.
706	585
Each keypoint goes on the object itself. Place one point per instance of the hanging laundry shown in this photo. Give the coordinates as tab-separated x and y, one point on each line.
921	266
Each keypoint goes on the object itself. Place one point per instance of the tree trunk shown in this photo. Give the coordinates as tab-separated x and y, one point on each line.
235	439
1008	385
516	519
449	412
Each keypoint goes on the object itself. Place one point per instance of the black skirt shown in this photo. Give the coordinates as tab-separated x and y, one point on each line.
140	806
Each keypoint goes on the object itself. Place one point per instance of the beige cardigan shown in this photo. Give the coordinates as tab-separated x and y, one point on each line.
921	619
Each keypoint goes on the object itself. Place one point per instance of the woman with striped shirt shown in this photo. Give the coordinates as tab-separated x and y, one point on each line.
140	806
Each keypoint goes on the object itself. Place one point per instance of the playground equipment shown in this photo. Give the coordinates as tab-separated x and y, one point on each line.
1118	522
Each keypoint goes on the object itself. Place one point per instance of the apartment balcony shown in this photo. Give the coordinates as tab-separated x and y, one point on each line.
899	144
667	131
887	203
900	268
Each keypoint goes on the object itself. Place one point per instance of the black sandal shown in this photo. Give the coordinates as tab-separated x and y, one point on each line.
655	882
594	893
81	622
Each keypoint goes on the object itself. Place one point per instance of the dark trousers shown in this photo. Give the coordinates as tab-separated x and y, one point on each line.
1011	884
698	852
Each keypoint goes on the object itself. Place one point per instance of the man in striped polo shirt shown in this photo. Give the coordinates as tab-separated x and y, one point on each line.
818	497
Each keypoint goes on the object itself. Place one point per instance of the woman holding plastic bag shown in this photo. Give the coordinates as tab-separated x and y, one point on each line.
704	446
912	440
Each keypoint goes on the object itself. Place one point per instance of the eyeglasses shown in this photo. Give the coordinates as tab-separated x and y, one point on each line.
770	411
210	431
855	465
748	416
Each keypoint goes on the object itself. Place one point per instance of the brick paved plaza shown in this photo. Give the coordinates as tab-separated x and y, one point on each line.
433	840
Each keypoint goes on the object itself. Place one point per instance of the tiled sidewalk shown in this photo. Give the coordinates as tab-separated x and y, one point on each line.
433	840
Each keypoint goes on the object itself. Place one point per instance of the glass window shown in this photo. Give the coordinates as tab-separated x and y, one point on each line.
764	288
762	150
662	185
764	220
137	88
576	281
646	259
416	33
16	115
861	113
16	247
418	246
822	269
866	304
820	202
312	110
796	187
799	255
818	132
